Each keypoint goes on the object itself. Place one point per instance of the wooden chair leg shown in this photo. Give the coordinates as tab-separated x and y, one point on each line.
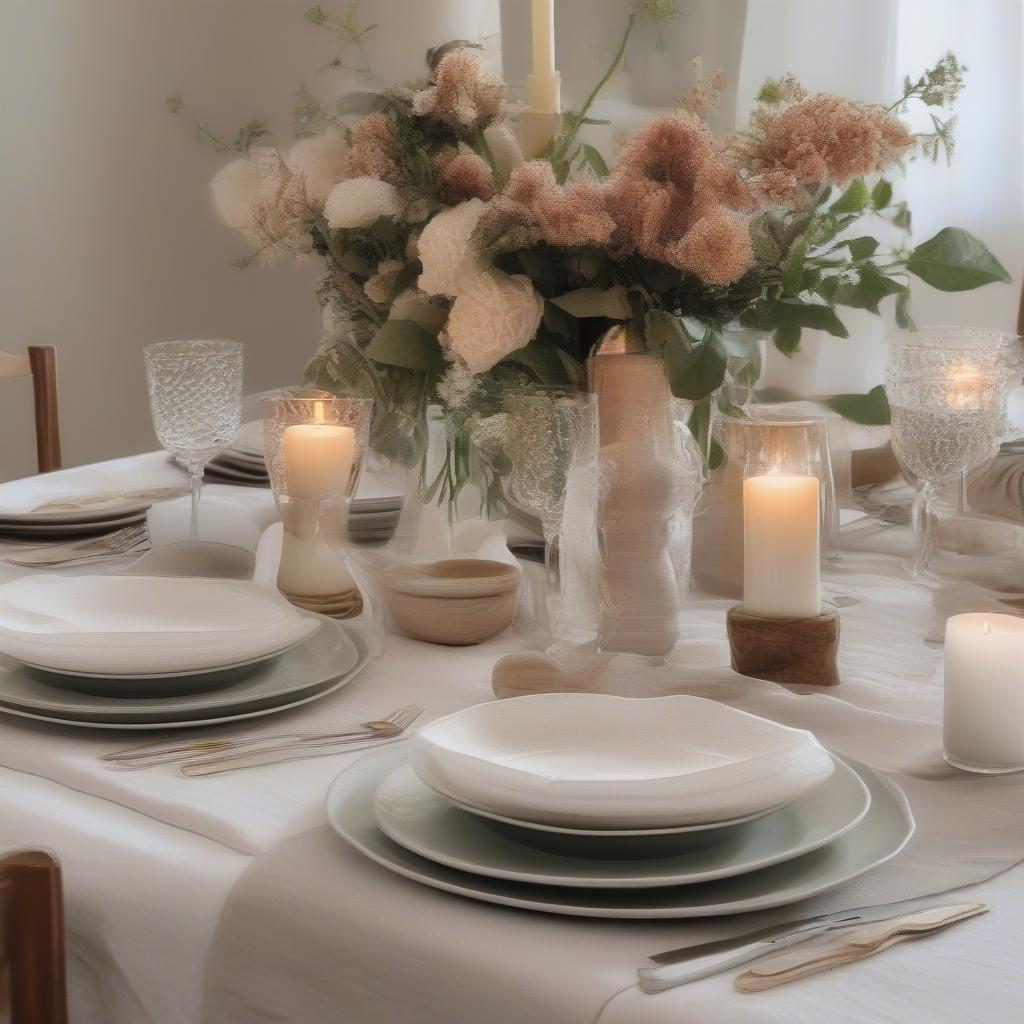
43	360
32	939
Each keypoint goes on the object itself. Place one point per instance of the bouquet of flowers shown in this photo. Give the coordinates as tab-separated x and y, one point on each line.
454	268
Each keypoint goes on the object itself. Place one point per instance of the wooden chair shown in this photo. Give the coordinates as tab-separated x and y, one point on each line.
32	979
39	362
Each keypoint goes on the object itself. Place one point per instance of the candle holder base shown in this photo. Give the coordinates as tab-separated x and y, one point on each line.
793	651
982	769
346	605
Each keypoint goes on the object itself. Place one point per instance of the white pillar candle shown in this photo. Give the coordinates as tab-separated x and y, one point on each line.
318	459
544	85
781	560
983	714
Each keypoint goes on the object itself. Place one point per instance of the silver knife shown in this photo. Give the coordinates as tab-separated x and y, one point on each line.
681	966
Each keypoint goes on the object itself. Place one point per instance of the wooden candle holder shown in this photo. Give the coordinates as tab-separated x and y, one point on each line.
794	651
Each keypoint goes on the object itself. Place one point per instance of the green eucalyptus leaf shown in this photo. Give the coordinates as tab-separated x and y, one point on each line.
594	160
816	316
612	303
881	194
861	248
662	329
543	359
903	317
406	344
901	218
871	409
872	286
697	372
793	268
955	261
853	200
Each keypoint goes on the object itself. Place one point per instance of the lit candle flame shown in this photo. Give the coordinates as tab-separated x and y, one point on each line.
964	386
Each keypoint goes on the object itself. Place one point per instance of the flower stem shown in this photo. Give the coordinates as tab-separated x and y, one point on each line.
569	137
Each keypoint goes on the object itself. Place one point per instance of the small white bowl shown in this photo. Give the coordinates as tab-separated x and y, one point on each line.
595	761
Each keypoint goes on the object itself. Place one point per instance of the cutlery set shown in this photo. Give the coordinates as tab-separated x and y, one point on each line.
213	756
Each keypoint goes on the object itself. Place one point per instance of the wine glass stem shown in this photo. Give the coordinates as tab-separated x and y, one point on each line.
923	528
551	572
195	479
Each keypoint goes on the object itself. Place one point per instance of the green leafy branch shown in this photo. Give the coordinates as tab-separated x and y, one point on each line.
242	142
348	34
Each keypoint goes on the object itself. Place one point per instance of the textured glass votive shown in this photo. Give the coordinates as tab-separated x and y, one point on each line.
314	449
983	693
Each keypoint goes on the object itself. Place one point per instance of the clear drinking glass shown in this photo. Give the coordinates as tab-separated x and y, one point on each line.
948	388
553	435
195	396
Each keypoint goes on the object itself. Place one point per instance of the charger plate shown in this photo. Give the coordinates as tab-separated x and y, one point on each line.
423	821
308	673
878	837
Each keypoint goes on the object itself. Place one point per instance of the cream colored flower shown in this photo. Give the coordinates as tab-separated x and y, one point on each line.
320	161
493	318
358	202
422	309
504	149
234	189
450	261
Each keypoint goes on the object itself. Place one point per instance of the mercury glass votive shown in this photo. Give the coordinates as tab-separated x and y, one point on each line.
314	446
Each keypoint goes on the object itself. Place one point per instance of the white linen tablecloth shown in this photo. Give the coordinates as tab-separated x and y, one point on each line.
152	858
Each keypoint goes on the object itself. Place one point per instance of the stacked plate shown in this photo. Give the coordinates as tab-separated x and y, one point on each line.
43	526
150	652
374	512
595	805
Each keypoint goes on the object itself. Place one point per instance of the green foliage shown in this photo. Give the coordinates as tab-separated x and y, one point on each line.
695	372
881	194
611	303
406	344
955	261
854	199
871	409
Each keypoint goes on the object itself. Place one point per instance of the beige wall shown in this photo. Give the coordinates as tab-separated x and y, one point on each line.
108	240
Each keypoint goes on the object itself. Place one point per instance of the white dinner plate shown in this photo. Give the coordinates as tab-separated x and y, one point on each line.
307	673
423	821
879	836
131	625
249	438
623	763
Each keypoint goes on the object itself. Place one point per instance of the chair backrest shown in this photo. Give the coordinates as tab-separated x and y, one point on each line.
40	361
32	967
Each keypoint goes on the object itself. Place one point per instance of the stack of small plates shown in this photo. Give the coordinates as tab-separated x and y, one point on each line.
46	526
603	806
374	512
137	652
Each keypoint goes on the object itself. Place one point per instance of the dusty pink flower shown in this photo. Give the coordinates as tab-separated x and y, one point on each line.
716	248
704	96
825	139
376	151
464	176
669	175
461	93
534	207
380	286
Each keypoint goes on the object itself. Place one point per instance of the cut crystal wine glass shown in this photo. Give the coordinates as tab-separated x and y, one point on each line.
948	388
195	396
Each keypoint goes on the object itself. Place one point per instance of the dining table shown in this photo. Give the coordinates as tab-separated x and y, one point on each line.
228	899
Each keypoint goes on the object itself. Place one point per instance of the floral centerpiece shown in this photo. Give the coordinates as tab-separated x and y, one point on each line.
454	268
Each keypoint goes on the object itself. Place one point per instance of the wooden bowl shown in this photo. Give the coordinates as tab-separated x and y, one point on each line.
452	577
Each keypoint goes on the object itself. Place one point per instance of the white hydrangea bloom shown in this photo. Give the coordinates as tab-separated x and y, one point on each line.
450	263
493	318
234	189
358	202
457	386
320	161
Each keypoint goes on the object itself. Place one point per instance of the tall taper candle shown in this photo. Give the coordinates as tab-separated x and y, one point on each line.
781	553
983	693
544	86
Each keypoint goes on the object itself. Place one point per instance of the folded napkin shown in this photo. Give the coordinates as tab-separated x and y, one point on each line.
110	501
852	944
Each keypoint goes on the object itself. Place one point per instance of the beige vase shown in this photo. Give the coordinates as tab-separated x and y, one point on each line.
646	513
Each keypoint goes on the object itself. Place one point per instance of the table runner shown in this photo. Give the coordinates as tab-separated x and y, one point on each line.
399	952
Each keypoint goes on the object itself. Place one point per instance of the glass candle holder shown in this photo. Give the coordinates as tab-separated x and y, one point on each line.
315	446
781	518
983	693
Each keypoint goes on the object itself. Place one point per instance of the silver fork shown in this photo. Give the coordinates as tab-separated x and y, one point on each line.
149	755
321	746
115	543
